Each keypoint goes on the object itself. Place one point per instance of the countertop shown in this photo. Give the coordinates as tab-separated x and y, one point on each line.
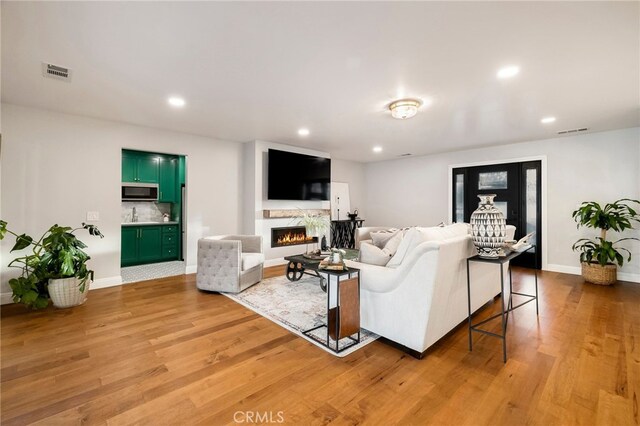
148	223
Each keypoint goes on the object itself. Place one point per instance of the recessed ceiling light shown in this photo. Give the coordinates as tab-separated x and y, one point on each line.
404	108
508	72
548	120
377	149
303	132
176	102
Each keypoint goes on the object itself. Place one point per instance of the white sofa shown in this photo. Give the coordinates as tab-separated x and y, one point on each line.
425	296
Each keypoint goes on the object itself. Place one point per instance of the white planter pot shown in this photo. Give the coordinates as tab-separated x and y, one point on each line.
65	292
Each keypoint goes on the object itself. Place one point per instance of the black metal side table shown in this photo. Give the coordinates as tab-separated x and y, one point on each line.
504	313
343	309
343	233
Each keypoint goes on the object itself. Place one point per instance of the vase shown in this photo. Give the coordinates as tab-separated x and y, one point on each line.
488	227
65	292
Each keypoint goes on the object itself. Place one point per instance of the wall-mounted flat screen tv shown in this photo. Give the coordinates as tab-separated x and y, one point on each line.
293	176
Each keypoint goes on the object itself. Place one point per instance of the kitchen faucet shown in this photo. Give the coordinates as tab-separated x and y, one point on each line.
134	215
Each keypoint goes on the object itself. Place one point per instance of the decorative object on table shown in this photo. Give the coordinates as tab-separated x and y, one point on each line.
56	268
165	217
335	261
323	244
488	227
520	245
354	215
315	225
599	257
314	255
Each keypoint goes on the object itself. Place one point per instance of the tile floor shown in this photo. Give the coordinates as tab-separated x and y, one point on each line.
132	274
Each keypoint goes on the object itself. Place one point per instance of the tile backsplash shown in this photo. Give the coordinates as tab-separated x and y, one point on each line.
147	211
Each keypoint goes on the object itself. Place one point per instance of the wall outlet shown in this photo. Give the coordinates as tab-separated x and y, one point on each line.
93	216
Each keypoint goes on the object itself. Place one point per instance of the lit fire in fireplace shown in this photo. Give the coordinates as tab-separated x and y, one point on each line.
291	238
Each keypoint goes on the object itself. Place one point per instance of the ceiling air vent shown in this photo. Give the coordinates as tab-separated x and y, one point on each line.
56	71
564	132
404	155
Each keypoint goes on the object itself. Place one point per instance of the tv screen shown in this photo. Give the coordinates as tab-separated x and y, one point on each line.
294	176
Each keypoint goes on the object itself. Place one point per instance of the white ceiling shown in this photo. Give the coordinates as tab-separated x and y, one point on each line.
262	70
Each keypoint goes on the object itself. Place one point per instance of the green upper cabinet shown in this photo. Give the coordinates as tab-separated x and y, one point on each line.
140	167
168	179
129	167
149	169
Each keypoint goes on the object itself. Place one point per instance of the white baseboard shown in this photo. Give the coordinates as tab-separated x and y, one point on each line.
106	282
191	269
576	270
573	270
6	298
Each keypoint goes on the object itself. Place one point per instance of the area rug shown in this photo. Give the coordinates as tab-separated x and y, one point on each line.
296	306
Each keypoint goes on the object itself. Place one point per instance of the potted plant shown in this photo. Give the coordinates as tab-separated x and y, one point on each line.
55	268
600	257
315	225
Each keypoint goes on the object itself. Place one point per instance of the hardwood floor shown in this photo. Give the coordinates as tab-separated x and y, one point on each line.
161	352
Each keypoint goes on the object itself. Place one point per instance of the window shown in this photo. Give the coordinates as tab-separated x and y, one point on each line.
492	180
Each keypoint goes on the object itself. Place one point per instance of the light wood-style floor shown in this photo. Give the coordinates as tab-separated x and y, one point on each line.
161	352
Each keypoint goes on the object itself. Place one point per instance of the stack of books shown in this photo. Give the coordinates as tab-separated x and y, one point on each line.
325	264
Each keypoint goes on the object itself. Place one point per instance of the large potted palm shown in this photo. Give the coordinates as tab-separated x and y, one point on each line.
600	257
56	267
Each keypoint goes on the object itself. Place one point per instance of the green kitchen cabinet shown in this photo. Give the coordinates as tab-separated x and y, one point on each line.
129	245
149	168
150	241
149	244
168	179
129	168
140	167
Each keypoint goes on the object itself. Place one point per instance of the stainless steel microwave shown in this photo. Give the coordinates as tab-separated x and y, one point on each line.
139	191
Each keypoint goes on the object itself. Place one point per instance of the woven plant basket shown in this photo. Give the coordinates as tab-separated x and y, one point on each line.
598	274
65	292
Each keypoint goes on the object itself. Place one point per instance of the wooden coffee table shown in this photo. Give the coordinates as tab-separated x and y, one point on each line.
300	265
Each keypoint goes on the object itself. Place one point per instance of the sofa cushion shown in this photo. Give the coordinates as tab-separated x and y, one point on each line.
374	255
412	238
381	238
439	233
250	260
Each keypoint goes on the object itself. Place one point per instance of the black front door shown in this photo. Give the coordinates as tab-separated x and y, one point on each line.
518	196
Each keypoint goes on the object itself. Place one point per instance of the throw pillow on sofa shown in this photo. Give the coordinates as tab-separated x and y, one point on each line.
380	238
373	255
412	238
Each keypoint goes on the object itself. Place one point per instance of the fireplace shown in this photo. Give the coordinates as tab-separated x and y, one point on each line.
290	236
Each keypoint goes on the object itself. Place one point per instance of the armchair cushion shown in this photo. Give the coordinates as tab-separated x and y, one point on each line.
250	260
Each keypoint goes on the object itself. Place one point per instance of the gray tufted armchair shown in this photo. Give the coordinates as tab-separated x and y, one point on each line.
229	263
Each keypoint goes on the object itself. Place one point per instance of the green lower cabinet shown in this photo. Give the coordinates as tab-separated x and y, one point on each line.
149	244
129	245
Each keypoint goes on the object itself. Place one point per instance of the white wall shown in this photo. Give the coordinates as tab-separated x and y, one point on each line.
352	173
255	196
593	167
56	167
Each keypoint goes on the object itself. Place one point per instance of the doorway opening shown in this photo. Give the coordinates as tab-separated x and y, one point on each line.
518	189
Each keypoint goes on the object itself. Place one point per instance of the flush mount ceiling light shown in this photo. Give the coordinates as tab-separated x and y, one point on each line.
548	120
508	72
377	149
303	132
404	108
177	102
